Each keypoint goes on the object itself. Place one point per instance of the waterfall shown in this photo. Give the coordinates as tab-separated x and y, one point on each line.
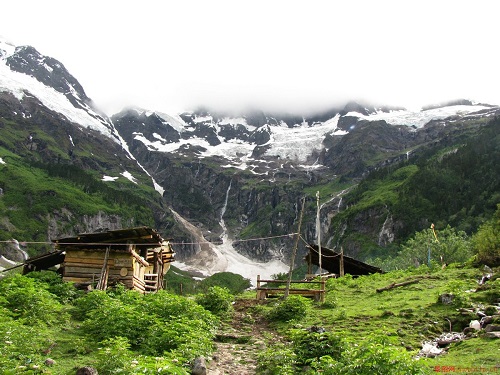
223	211
223	257
386	234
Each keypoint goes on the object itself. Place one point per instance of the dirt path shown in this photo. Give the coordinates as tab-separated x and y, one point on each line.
240	341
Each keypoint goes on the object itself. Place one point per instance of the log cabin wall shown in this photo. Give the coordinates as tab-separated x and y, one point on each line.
85	267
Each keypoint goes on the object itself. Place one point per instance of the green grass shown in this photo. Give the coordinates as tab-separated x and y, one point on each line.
408	315
411	314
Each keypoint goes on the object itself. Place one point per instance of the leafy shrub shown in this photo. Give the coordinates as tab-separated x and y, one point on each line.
331	301
115	319
315	343
114	356
295	307
375	355
217	300
64	291
29	302
276	360
170	306
457	288
486	241
152	324
186	338
87	303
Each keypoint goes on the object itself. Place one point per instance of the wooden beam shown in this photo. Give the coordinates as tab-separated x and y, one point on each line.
397	285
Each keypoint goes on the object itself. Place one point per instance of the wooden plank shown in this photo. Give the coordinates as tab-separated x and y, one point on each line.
85	254
87	260
292	281
83	265
397	285
297	290
76	279
97	254
91	270
139	259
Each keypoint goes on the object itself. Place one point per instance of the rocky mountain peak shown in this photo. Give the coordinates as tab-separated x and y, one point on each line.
48	71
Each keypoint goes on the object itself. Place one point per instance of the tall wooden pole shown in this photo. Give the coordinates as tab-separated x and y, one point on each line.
294	252
318	232
341	265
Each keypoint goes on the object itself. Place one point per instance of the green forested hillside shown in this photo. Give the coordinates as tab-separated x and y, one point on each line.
457	186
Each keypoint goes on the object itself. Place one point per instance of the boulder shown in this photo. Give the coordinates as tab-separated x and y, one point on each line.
199	366
492	328
87	370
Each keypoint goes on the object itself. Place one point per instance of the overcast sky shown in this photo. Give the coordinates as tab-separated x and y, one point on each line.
271	54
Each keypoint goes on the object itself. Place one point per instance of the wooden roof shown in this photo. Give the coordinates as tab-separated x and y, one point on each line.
43	261
118	239
330	261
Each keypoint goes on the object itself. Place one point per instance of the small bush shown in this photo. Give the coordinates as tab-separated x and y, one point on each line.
277	360
29	302
217	300
114	356
151	324
316	343
19	344
84	305
457	288
295	307
64	291
374	355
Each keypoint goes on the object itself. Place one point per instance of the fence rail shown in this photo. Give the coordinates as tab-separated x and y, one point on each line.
264	292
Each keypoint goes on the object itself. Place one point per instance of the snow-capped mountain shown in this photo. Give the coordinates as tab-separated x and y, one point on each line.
24	72
257	142
261	143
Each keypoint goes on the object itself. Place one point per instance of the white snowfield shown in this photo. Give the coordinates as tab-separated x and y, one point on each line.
419	118
296	143
22	85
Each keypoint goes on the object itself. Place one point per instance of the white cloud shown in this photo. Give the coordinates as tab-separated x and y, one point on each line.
279	54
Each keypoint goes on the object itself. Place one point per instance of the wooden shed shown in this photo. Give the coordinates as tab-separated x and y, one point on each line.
136	257
331	261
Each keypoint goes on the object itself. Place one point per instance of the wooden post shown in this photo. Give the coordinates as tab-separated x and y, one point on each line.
259	292
103	281
294	252
309	263
318	233
323	289
341	266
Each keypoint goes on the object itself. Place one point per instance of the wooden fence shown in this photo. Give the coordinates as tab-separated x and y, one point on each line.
265	291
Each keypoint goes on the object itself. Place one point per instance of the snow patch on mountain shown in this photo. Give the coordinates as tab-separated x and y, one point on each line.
295	143
108	178
419	118
21	85
175	121
129	176
300	142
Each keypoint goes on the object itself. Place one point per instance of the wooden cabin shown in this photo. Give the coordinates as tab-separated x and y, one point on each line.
136	257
